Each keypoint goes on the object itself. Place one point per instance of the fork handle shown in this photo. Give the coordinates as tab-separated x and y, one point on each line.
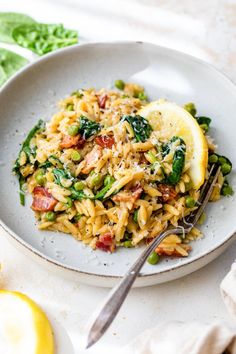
118	295
120	291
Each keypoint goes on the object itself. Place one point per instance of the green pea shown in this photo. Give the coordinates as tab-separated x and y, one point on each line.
135	216
227	190
190	107
79	186
225	168
222	160
70	107
119	84
75	155
153	258
213	158
189	202
124	96
127	244
69	202
50	216
142	96
96	180
40	178
73	130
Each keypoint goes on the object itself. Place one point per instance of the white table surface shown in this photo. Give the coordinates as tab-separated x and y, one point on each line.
206	29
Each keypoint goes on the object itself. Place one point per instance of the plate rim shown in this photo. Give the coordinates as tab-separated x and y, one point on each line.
110	277
59	52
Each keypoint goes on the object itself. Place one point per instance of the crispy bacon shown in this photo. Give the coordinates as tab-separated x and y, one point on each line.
69	141
123	196
43	200
148	240
129	195
142	158
81	142
168	192
91	159
137	190
105	141
105	242
102	101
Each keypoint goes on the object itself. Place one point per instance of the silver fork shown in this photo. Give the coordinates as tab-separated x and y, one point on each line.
120	291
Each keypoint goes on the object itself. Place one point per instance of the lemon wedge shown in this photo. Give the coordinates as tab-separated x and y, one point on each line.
24	327
167	120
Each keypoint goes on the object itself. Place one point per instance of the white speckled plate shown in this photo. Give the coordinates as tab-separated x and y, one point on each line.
33	93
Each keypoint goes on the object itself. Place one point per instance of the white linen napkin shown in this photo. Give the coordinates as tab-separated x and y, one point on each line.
194	337
228	290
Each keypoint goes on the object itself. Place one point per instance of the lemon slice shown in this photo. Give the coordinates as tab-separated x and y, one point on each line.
24	328
167	120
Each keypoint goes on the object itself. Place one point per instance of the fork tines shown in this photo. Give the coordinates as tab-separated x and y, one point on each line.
205	195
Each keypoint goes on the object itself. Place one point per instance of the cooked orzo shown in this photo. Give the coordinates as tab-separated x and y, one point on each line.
114	171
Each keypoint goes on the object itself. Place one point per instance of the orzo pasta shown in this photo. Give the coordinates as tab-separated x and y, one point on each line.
100	171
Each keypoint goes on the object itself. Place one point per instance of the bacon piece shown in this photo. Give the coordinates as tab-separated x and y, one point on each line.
105	141
137	190
148	240
41	191
81	142
142	158
91	159
102	101
129	195
69	141
168	193
106	242
43	200
123	196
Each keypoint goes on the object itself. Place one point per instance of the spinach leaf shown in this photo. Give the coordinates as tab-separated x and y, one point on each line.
55	161
60	174
178	160
22	181
10	20
43	38
105	189
39	127
204	122
45	165
10	62
26	144
78	195
28	150
52	161
3	76
88	127
77	93
142	129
